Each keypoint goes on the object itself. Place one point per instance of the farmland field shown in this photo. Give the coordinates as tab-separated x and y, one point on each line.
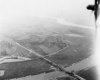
63	44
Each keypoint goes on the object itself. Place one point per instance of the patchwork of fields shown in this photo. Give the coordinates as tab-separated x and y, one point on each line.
62	44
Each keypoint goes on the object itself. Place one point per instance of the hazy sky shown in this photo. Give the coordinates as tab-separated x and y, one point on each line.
12	11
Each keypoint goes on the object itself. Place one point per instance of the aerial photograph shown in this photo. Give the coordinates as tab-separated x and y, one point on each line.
48	39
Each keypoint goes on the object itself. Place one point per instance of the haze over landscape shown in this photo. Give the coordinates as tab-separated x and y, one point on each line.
16	14
60	30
